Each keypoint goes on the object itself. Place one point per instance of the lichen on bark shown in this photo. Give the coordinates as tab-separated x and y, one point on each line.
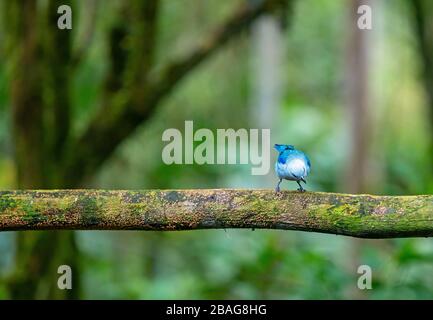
364	216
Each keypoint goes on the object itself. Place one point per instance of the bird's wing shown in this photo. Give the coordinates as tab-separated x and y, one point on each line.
308	165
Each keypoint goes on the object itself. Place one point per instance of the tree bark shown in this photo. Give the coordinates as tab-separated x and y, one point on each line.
364	216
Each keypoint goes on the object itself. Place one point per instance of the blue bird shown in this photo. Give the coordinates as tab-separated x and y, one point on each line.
291	165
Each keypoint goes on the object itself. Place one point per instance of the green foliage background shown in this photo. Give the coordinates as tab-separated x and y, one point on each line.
245	264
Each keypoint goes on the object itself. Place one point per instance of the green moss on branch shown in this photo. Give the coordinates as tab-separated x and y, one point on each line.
363	216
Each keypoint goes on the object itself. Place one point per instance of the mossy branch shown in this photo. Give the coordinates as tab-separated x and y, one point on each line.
363	216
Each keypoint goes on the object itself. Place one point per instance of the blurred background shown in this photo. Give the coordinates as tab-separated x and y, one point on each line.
86	108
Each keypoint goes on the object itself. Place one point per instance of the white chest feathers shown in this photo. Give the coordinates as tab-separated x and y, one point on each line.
292	169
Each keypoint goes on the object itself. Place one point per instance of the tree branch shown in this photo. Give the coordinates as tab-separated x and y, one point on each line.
132	43
111	126
363	216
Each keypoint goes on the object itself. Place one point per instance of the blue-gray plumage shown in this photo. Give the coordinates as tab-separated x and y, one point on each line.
291	165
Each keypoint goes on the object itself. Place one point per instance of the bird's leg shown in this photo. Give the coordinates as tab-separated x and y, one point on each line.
300	187
277	189
303	180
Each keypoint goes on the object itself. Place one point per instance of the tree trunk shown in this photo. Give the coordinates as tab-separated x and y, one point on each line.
358	170
267	48
38	254
423	23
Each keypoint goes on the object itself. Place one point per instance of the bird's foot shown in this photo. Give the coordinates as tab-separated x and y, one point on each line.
301	190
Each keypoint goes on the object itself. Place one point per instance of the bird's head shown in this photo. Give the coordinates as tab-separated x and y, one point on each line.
283	147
